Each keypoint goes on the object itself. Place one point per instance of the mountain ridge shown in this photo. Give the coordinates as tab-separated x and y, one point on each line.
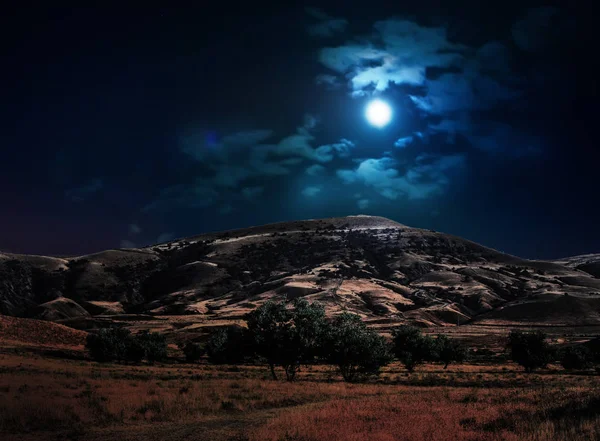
387	272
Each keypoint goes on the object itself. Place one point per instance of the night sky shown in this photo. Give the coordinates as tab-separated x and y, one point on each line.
129	126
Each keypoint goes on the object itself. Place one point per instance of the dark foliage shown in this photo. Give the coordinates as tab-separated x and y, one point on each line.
413	348
118	344
154	344
287	337
192	351
355	349
449	350
229	345
576	357
530	349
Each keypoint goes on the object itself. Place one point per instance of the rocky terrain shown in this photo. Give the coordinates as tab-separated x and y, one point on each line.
387	272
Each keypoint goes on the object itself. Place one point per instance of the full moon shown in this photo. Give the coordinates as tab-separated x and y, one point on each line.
378	113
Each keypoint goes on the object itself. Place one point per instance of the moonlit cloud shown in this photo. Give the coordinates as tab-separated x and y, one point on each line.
362	203
426	177
315	170
408	50
311	191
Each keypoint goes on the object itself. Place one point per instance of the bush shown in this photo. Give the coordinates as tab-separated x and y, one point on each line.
530	349
413	348
449	350
192	351
355	349
576	357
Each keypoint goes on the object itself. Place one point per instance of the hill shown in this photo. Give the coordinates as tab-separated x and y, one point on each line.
387	272
15	330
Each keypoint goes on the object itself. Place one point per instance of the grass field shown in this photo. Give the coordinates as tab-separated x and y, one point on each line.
43	398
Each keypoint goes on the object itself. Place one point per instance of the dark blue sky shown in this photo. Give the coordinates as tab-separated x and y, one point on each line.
127	126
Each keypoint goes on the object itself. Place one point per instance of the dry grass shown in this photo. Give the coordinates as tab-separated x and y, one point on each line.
44	398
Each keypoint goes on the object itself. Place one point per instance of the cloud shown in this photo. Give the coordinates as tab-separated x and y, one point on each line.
463	92
426	177
454	87
134	229
83	192
128	244
327	26
362	203
533	30
315	170
329	81
311	191
326	153
399	52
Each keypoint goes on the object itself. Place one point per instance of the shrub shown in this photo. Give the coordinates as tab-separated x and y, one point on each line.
530	349
192	351
413	348
576	357
355	349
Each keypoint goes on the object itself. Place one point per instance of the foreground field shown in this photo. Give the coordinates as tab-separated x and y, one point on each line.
48	398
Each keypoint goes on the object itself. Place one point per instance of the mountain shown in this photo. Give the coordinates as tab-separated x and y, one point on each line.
385	271
589	263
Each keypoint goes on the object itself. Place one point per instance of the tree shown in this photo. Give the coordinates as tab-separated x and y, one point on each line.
413	348
355	349
594	347
108	344
529	349
134	349
287	337
576	357
154	344
449	350
228	345
192	351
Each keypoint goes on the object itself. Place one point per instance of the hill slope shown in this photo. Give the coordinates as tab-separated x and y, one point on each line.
385	271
